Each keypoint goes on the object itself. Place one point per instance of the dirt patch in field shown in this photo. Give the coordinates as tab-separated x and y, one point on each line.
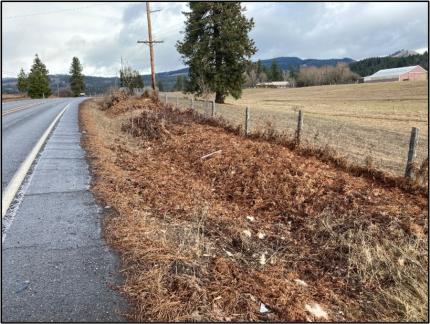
253	232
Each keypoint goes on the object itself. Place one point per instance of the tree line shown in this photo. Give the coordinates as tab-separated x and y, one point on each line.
36	82
371	65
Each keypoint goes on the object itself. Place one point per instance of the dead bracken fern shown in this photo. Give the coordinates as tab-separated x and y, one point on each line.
257	224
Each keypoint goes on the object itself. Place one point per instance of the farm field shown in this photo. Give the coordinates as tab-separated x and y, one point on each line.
255	232
368	123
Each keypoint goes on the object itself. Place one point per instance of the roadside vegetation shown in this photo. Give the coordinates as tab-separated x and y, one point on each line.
213	226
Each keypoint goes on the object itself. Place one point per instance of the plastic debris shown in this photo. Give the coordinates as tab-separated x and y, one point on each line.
301	282
247	233
316	311
250	218
263	308
261	235
263	259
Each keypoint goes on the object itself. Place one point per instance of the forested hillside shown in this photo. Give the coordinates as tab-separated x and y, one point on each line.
371	65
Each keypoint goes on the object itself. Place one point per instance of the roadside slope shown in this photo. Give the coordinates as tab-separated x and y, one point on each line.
255	232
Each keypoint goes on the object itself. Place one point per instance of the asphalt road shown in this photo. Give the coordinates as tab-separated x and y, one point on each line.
56	266
21	130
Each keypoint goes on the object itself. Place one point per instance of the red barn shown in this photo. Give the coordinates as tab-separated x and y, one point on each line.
398	74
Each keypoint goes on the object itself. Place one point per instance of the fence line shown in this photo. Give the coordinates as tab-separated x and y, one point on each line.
359	141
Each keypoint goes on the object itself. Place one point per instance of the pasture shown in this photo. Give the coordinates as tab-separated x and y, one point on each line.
368	123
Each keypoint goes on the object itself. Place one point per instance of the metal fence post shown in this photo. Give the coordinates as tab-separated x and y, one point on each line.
412	151
177	102
247	113
192	103
165	98
299	127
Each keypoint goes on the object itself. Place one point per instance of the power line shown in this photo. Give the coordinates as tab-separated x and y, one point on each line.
53	11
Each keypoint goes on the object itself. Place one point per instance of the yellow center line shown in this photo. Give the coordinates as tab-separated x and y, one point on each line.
16	109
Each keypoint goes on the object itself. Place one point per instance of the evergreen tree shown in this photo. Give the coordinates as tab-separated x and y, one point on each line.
180	84
216	48
259	67
373	64
38	80
22	82
77	83
160	86
138	80
275	72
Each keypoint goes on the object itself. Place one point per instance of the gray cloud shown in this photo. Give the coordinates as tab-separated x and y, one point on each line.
100	34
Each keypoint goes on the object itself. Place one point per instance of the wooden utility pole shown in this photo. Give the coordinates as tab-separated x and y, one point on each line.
150	42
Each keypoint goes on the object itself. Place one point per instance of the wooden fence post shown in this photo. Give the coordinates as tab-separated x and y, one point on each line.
213	108
192	103
412	151
299	127
177	101
247	113
165	98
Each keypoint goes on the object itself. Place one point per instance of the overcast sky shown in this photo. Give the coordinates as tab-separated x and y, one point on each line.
100	33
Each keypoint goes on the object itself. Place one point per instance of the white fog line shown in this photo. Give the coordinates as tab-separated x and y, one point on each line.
9	194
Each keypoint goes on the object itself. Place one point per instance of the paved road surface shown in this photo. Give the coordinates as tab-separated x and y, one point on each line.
55	264
22	129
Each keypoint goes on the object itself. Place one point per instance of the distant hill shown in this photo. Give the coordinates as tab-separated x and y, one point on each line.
101	84
287	62
403	53
371	65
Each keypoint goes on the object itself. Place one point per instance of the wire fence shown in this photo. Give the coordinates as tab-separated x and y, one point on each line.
386	150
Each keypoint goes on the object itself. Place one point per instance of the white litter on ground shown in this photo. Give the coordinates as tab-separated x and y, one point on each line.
261	235
301	282
247	233
316	311
263	308
263	259
250	218
228	253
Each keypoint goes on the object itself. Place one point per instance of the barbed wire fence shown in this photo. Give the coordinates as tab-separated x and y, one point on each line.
386	150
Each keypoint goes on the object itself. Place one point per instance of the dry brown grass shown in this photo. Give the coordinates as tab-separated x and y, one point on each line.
190	252
359	120
12	97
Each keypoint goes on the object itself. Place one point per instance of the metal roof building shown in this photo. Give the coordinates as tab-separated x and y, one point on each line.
406	73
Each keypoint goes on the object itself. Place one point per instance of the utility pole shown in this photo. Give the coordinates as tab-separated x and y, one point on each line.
150	42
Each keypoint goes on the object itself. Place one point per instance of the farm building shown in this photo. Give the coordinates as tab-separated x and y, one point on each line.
406	73
273	84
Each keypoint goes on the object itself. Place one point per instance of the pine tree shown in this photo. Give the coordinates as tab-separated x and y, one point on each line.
180	84
77	83
160	86
22	82
138	80
275	72
38	80
216	48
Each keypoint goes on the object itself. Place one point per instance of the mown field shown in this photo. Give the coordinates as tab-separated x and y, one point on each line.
368	123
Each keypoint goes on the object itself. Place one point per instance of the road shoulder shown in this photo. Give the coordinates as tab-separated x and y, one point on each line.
56	265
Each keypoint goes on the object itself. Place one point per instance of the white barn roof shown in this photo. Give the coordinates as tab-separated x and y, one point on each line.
390	73
395	71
